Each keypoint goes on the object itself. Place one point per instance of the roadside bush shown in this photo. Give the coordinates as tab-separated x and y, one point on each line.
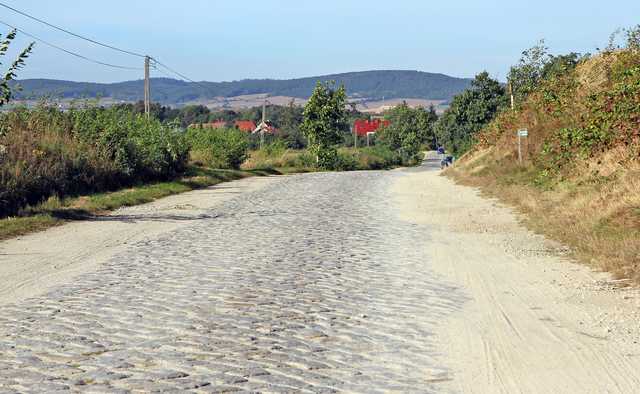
46	152
218	148
378	157
140	147
345	161
274	157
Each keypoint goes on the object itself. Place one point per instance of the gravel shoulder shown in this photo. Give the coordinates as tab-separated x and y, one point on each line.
535	322
32	265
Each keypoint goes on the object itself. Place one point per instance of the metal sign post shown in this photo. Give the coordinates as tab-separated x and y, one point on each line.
369	134
521	133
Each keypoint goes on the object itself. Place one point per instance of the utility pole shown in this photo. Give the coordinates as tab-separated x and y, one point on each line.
147	87
263	124
511	95
355	137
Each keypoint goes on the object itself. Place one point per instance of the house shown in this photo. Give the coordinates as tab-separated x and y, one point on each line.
362	126
245	125
267	127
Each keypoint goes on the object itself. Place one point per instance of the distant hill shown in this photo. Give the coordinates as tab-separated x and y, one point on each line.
371	85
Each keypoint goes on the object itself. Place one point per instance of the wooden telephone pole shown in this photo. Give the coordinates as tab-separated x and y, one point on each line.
513	102
355	136
263	124
147	87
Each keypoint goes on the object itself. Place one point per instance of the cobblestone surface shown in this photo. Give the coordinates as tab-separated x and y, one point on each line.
311	284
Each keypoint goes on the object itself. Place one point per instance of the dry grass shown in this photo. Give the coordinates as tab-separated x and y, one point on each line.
281	159
596	214
574	186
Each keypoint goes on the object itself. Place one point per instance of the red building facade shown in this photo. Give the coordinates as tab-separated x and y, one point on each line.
362	126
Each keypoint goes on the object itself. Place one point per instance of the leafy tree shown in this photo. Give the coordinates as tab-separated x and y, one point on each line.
469	112
6	93
324	121
426	122
556	66
524	76
191	114
408	129
289	123
633	38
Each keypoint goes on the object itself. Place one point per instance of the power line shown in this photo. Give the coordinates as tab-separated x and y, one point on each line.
179	74
71	33
155	61
68	51
175	72
161	71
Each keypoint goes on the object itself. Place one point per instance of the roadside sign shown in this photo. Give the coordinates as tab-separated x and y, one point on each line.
521	133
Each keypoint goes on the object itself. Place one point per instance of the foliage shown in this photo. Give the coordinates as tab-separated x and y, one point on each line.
378	157
409	129
6	91
524	77
325	122
469	113
270	159
558	66
289	123
611	117
218	148
633	38
138	146
48	152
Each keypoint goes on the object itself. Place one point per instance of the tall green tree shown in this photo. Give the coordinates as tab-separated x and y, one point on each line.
469	112
525	76
325	121
426	126
290	121
408	130
6	92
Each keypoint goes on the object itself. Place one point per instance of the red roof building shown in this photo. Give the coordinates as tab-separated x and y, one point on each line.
245	125
362	127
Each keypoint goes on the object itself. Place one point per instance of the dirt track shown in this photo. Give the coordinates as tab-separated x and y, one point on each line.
535	322
362	282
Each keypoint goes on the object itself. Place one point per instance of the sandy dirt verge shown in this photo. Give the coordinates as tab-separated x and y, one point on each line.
32	264
535	322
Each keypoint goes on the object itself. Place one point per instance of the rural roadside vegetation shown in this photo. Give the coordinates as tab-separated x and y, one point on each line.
65	164
578	181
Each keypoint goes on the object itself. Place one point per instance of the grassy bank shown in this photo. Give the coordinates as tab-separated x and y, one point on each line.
579	180
598	218
56	211
348	159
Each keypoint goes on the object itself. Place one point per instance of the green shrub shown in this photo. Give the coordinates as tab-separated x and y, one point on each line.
47	152
378	157
345	161
218	148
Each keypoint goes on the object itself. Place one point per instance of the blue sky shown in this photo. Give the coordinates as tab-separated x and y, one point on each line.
220	40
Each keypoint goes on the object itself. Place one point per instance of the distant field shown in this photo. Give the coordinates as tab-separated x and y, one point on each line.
255	100
365	87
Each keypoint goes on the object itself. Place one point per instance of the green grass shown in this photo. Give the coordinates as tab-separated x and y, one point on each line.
56	211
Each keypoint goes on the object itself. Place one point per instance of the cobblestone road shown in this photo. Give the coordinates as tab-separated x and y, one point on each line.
311	284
